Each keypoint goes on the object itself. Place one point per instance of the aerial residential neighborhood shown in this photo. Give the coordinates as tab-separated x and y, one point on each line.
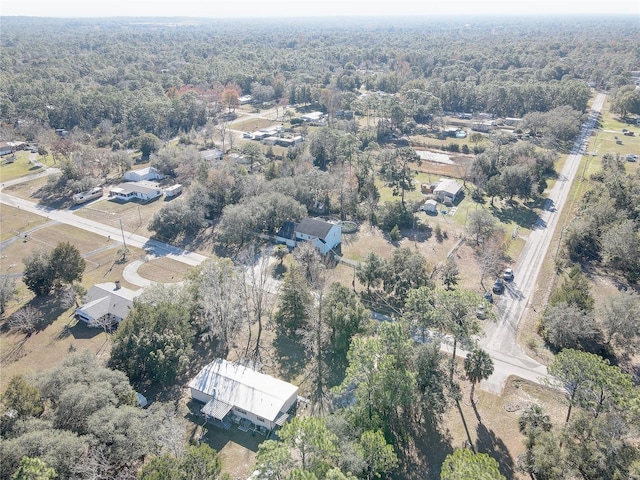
395	247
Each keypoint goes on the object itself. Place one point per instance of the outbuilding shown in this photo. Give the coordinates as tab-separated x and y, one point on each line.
147	173
430	206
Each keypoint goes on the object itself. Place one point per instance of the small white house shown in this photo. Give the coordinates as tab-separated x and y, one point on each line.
127	191
324	235
147	173
106	304
448	190
430	206
312	117
233	393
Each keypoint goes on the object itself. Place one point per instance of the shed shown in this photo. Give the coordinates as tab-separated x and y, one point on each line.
430	206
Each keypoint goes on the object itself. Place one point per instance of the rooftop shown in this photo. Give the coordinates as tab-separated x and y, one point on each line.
243	388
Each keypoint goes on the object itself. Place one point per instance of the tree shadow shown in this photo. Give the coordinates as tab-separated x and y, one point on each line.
493	446
466	427
521	215
290	356
428	448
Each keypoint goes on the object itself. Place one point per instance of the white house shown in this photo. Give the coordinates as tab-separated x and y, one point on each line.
106	304
233	393
144	191
312	117
147	173
448	190
324	235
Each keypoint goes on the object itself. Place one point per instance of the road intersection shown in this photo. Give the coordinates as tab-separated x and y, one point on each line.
500	337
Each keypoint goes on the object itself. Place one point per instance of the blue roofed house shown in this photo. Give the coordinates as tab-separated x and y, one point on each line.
233	393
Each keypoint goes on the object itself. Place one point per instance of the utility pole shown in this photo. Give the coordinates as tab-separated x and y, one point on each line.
124	244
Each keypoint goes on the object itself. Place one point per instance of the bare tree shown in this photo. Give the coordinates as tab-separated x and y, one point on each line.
259	295
491	256
220	297
26	320
7	291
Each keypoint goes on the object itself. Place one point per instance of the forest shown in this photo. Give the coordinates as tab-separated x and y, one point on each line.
95	98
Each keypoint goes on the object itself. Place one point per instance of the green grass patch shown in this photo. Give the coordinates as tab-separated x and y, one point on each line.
19	168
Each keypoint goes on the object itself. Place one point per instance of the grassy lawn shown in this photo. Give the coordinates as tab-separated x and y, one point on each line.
15	221
19	168
135	216
164	270
604	140
27	190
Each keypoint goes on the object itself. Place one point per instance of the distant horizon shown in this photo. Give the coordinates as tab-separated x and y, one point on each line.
290	9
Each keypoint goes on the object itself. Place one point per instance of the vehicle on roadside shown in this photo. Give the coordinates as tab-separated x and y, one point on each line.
498	286
481	311
87	196
488	296
507	275
631	157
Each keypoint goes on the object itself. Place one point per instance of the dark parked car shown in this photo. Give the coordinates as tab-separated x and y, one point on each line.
488	296
498	286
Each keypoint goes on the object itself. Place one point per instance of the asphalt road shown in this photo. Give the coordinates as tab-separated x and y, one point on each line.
153	247
500	336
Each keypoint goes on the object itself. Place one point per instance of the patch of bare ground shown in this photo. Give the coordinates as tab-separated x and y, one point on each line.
491	424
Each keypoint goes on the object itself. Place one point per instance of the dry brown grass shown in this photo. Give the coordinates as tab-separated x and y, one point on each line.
135	216
21	355
493	422
164	270
15	221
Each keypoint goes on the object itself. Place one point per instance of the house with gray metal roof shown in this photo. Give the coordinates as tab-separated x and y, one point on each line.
233	393
106	304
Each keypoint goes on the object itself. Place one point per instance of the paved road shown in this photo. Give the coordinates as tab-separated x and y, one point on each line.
500	338
67	217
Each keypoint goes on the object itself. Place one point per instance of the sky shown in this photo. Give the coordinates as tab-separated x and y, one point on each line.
310	8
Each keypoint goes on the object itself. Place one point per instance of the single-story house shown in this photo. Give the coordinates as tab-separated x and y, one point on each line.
211	155
106	304
233	393
8	147
147	173
430	206
324	235
312	117
483	126
448	190
144	191
289	141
